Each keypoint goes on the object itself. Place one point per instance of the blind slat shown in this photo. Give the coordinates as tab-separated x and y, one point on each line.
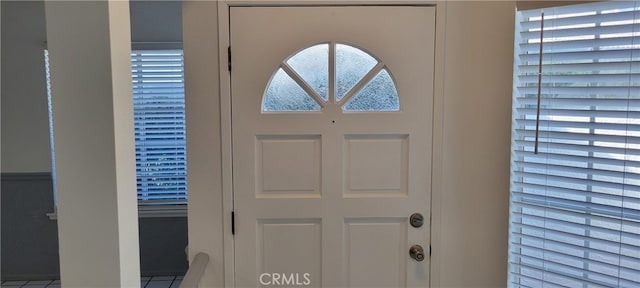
575	124
602	67
527	147
634	78
568	56
593	30
590	172
586	137
585	158
621	103
581	113
577	181
567	192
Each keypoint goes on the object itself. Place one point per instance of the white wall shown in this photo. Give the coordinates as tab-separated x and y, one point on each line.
25	124
204	156
471	203
156	21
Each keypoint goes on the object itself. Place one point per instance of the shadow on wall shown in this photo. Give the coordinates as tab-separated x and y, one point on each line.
29	239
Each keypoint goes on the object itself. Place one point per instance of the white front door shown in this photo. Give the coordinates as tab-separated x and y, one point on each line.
331	125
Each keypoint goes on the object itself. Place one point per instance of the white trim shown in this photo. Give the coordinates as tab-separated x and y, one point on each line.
204	157
437	185
225	118
157	211
145	45
230	3
146	3
225	131
156	45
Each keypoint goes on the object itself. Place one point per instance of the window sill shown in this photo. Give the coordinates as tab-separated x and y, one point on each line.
149	211
157	211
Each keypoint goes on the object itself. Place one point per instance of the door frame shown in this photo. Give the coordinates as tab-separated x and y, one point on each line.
224	95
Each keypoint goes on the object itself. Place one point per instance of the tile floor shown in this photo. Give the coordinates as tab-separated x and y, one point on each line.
146	282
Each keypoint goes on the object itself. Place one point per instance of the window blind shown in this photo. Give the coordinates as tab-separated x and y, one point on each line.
159	121
575	204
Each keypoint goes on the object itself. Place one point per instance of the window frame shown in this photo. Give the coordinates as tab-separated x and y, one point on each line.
550	209
146	205
145	210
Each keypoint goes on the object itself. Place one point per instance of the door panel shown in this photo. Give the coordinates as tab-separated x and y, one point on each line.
303	254
375	166
288	166
379	242
322	196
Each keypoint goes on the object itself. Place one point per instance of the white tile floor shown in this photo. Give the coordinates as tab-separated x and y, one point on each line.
146	282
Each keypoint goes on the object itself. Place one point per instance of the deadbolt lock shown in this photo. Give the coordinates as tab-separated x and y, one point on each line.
416	220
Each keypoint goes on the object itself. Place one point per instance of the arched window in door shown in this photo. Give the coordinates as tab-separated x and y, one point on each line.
331	74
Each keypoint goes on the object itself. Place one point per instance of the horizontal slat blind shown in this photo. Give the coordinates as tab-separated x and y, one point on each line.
575	205
159	119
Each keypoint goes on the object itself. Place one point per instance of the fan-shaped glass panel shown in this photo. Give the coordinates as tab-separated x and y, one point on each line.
284	94
379	94
302	83
351	65
312	64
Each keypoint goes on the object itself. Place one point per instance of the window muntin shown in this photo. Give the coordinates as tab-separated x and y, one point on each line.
284	94
379	94
303	82
352	64
575	205
312	64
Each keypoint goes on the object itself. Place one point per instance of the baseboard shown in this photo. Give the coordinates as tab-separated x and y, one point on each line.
163	273
23	277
